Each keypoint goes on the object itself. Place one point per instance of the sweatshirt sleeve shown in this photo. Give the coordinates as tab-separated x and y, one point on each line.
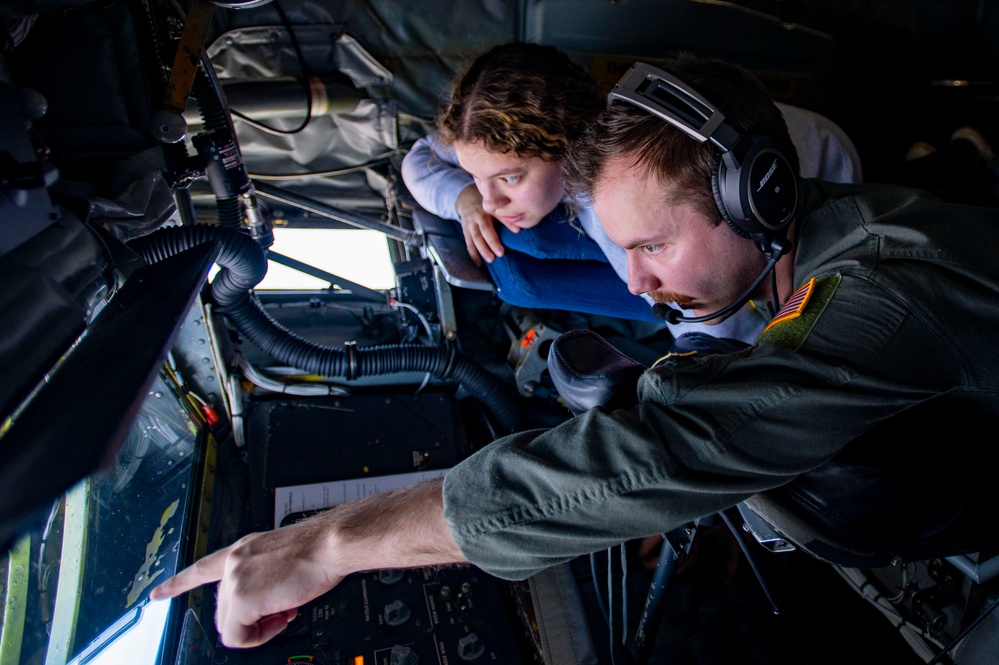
432	175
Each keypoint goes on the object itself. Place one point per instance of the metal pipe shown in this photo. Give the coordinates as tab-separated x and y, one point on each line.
355	219
334	280
979	572
267	100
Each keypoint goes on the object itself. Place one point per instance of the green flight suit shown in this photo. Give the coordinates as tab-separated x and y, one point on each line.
899	326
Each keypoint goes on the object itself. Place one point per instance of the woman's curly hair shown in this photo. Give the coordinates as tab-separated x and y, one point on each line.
528	99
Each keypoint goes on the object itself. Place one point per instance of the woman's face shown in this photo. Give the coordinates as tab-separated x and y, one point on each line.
518	191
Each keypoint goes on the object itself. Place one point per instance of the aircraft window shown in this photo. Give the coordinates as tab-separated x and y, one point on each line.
357	255
143	635
75	588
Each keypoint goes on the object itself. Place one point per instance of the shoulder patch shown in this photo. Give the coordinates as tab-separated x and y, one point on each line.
797	317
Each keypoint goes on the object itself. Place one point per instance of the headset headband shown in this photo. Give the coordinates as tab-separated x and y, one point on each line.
753	182
664	95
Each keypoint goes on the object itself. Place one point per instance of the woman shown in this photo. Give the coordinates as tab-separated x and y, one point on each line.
497	155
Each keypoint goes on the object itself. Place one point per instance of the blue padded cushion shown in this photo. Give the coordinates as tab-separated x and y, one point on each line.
591	287
553	240
556	266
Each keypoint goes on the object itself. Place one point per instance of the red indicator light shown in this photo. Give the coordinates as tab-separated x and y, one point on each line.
211	417
528	338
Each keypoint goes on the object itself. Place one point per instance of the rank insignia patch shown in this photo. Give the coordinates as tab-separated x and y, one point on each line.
795	319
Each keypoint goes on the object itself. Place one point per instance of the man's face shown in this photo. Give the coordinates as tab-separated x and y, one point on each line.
519	191
674	253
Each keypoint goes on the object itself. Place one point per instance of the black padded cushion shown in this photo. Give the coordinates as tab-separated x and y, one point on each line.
589	372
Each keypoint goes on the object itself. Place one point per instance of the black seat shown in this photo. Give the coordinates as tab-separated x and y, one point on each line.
909	495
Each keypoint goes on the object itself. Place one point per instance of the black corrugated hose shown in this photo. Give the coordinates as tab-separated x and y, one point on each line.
243	264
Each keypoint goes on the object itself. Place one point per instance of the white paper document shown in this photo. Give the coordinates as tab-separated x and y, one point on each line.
316	496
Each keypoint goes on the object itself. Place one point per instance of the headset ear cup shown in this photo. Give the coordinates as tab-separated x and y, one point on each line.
718	173
757	191
772	207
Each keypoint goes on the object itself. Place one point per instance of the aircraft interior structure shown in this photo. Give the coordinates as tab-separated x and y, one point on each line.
161	398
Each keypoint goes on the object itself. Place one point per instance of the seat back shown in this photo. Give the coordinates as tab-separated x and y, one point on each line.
892	495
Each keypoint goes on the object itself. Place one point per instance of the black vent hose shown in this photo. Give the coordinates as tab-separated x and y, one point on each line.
243	264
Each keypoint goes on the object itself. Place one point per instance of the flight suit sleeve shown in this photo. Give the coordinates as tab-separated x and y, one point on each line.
706	434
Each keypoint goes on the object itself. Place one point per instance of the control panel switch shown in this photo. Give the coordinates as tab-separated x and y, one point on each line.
396	613
470	647
403	655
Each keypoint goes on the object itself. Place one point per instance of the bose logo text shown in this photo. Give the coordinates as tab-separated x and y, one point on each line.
773	168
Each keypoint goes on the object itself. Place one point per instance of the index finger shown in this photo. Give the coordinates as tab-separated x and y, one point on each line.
473	251
203	571
490	236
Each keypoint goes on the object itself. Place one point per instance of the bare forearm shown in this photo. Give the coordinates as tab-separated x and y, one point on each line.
264	577
401	528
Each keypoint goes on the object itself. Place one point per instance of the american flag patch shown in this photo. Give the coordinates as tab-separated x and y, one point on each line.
794	306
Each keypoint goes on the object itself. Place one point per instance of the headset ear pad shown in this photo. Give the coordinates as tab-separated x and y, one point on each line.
757	194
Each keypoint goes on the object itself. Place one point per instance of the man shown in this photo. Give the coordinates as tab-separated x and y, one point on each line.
887	296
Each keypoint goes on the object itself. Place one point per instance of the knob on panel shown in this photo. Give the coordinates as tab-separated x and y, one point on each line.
388	577
396	613
403	655
470	647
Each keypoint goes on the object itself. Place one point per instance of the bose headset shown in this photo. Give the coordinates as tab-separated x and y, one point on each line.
754	185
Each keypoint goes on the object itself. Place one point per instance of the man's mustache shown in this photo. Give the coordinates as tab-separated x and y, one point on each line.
663	297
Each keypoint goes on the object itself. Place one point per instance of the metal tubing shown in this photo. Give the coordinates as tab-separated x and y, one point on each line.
334	280
979	572
347	217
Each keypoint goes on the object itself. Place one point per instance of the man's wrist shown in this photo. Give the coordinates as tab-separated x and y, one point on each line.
400	528
337	551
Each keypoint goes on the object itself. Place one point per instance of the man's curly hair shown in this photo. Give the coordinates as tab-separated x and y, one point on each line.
528	99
